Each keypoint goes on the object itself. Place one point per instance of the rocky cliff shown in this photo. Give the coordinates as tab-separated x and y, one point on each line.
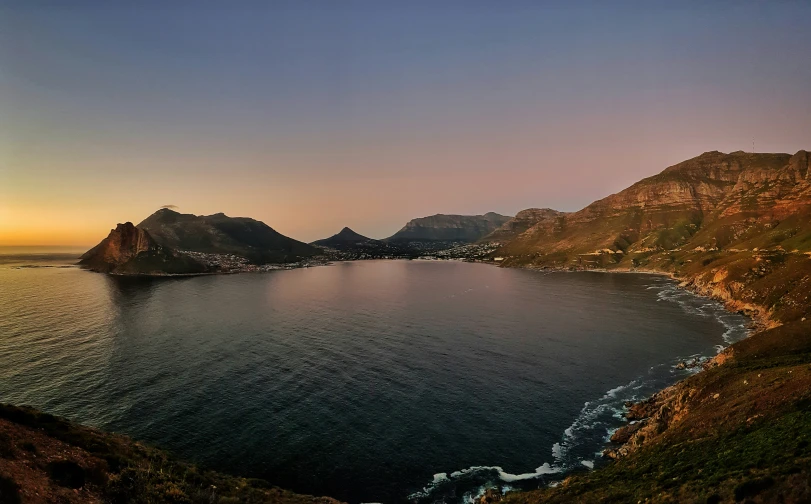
131	250
440	227
523	220
734	226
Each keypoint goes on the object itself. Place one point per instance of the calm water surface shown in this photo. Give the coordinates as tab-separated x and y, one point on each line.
378	381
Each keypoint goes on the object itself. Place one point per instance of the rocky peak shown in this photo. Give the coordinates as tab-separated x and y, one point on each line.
799	163
348	234
122	244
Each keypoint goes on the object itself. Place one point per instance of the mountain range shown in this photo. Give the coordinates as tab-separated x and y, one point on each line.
449	228
168	242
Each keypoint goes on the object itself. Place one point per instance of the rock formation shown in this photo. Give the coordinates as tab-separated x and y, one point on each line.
129	250
523	220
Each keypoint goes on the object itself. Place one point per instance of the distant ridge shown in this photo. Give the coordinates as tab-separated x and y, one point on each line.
351	245
441	227
344	236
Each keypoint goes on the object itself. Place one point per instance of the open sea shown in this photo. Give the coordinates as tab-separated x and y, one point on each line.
370	381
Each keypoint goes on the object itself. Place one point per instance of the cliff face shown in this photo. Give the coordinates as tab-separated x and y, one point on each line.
131	250
440	227
734	226
523	220
123	244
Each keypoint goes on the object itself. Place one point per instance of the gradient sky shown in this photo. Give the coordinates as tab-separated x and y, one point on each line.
314	115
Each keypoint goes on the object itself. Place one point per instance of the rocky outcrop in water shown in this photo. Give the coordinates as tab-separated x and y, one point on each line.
130	250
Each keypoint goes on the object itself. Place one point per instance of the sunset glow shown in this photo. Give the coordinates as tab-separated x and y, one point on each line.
313	116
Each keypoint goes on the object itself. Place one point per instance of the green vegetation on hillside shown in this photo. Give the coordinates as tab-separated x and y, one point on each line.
47	459
744	435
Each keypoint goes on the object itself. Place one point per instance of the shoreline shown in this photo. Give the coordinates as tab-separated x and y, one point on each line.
758	314
647	412
758	319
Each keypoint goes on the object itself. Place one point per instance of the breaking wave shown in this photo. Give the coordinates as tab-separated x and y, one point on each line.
581	444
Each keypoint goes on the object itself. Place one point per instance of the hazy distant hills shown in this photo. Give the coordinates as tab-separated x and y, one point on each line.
352	245
449	228
220	234
345	237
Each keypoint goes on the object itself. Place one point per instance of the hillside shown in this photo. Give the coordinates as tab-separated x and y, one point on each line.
735	227
522	221
130	250
449	228
46	459
348	245
715	201
737	432
220	234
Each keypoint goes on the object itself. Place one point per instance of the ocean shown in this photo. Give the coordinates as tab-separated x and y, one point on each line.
368	381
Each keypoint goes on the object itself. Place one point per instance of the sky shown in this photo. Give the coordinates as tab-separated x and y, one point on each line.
315	115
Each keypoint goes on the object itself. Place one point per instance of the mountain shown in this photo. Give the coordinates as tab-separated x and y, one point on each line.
349	245
714	201
450	228
131	250
737	228
220	234
522	221
345	237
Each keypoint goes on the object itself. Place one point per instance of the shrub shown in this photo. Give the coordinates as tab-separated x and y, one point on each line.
6	446
752	487
66	473
9	491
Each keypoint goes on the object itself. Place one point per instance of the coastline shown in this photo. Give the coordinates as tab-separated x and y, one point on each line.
758	314
684	283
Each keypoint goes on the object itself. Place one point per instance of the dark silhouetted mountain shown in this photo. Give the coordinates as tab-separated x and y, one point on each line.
449	228
345	236
220	234
352	245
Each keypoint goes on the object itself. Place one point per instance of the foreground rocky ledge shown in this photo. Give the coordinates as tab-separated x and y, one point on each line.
46	459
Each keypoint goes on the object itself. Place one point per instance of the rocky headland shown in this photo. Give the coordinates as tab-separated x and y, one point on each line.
737	228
